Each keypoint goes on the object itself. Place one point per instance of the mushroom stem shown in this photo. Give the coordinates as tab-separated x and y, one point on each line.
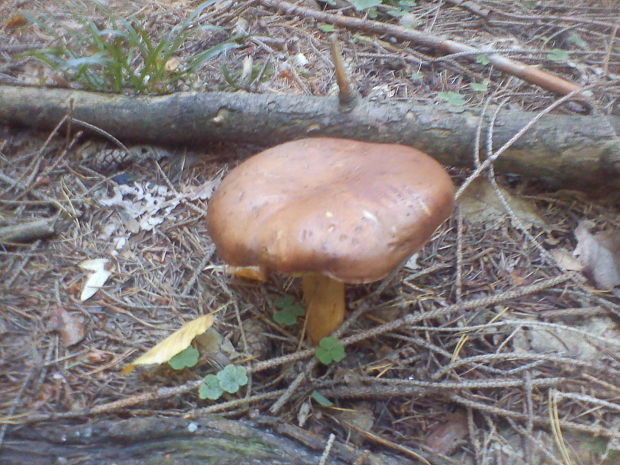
324	299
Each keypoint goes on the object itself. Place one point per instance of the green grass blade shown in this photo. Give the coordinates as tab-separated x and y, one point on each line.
95	35
199	59
228	77
180	29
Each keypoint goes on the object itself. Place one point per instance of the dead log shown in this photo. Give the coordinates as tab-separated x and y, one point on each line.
565	151
156	440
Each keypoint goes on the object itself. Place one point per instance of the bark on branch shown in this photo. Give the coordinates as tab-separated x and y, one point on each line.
570	151
158	440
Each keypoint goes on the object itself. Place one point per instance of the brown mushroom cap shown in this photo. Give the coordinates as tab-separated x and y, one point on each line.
347	209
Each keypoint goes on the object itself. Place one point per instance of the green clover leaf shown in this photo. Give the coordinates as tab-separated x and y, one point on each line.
284	301
478	86
453	98
185	359
289	310
330	350
577	40
557	54
231	378
482	59
210	388
396	12
364	4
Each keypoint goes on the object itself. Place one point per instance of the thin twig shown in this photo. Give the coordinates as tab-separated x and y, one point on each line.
387	443
327	450
28	231
223	406
517	356
15	402
401	323
513	139
588	399
464	384
18	269
595	430
197	271
458	279
383	392
101	132
527	73
529	409
288	392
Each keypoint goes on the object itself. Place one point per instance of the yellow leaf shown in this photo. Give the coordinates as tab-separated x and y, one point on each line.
173	344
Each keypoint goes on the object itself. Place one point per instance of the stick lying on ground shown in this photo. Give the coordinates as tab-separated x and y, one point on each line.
27	231
528	73
572	151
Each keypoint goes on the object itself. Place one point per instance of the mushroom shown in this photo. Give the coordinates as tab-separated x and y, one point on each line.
333	211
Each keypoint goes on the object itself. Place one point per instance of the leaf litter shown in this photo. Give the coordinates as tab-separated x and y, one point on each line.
69	325
163	261
142	206
599	254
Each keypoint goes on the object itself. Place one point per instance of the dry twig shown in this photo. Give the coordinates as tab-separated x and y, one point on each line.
527	73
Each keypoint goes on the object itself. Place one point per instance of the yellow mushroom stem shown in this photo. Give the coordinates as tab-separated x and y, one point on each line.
324	300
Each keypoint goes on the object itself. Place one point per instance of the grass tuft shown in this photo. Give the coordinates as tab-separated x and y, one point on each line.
123	57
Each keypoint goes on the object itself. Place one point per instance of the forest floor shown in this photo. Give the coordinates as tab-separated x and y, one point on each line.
526	376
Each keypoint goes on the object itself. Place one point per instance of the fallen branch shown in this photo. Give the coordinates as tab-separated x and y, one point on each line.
156	440
27	232
488	14
573	151
527	73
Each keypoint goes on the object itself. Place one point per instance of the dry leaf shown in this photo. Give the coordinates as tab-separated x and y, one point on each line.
359	419
68	325
173	344
148	204
95	280
480	205
600	255
445	438
517	278
412	262
205	190
214	347
566	341
15	21
304	413
300	60
172	65
97	356
566	260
